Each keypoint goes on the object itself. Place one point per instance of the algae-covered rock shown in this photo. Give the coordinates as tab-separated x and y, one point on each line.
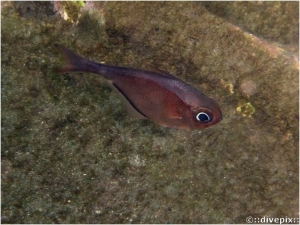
277	22
70	153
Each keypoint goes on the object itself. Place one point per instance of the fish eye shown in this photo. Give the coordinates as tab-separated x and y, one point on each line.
203	117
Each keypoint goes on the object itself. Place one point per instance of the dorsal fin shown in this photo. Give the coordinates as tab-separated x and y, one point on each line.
159	71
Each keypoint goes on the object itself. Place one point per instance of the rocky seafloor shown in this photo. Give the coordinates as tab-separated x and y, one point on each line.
70	153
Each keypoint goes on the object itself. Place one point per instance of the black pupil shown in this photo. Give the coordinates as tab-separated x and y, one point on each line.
203	117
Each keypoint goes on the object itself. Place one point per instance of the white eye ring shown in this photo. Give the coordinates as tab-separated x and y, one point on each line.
203	117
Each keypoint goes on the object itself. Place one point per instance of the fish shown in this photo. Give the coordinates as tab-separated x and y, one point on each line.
154	95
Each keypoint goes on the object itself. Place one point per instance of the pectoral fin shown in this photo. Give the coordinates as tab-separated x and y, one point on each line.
131	110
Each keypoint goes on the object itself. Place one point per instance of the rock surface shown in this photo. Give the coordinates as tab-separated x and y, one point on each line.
70	154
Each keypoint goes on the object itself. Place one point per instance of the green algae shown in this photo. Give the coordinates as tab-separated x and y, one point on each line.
245	109
72	10
70	154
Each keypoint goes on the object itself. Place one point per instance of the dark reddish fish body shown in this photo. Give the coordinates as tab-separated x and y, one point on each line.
158	96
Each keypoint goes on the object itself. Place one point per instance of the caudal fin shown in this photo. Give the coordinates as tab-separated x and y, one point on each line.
73	62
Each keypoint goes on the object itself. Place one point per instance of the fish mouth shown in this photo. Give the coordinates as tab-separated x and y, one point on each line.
221	117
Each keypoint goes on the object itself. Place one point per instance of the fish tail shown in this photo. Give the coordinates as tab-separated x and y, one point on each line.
74	62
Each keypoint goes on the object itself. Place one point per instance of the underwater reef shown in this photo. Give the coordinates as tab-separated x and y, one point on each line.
71	154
